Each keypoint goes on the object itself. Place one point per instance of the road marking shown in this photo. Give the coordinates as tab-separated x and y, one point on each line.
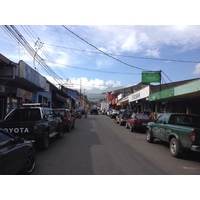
190	168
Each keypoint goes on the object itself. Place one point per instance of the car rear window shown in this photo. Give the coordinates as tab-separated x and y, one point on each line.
186	120
24	115
142	116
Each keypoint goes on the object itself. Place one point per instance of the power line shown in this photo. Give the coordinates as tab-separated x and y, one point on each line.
106	53
102	51
127	56
18	37
101	71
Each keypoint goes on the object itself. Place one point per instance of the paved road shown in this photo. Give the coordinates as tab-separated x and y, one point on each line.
98	146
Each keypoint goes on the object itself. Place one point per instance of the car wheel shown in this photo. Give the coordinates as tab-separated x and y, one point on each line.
60	134
131	128
73	125
149	137
44	143
69	127
30	163
174	147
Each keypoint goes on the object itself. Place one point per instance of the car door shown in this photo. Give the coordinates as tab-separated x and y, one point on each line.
159	130
131	120
12	156
51	120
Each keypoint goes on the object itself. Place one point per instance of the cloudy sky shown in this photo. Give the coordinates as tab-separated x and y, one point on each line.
101	58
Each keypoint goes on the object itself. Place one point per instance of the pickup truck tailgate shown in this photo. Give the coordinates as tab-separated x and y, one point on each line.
21	129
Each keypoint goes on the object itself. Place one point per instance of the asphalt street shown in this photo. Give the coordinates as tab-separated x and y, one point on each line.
98	146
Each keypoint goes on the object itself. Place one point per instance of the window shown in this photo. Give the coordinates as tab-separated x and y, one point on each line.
4	137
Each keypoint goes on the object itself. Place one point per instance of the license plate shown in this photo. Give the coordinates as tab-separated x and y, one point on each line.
144	124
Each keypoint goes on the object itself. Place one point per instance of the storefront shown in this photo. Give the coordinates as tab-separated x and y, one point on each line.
139	100
184	98
18	84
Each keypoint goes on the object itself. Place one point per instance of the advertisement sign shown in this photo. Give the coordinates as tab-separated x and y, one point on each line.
29	74
141	94
150	77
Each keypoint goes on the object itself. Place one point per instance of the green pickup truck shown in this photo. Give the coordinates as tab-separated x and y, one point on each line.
181	131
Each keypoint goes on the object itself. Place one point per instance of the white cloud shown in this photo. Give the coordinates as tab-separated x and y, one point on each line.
153	53
117	39
91	85
197	69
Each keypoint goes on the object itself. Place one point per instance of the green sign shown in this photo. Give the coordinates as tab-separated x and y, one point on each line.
149	77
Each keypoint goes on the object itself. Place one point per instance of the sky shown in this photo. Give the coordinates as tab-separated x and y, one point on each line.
104	46
102	58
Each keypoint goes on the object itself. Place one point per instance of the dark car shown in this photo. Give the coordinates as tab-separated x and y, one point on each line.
67	118
33	122
137	121
16	155
94	111
76	113
123	116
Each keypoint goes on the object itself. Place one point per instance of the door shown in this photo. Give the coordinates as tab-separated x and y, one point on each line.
159	128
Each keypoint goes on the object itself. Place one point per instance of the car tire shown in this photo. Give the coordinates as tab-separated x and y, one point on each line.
131	128
30	163
44	143
174	147
149	137
61	132
69	127
73	125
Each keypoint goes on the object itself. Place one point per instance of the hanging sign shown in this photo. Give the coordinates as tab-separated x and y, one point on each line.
150	76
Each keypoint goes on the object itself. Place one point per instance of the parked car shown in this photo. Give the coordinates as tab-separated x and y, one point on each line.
16	155
123	116
180	131
33	122
137	121
82	110
76	113
67	119
94	111
108	112
114	113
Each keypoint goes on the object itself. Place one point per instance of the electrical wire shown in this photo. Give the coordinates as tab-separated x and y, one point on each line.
95	70
103	51
126	56
17	36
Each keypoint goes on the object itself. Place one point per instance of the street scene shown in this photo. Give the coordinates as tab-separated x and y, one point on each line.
76	111
99	146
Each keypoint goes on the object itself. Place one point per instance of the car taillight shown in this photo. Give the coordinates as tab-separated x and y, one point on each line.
35	129
192	136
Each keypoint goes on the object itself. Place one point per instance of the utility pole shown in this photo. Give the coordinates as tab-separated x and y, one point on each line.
80	91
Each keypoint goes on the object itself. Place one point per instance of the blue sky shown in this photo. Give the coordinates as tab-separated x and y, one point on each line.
75	53
136	38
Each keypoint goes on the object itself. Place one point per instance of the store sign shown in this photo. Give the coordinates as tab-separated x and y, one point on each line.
29	74
150	77
141	94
